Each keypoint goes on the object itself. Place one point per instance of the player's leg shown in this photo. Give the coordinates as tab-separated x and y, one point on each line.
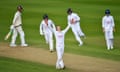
51	42
57	63
77	37
14	38
61	63
79	30
107	39
111	39
59	57
61	60
22	36
108	44
46	38
111	43
81	33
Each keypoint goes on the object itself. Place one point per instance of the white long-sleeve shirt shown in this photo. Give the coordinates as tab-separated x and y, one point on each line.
60	36
108	23
17	19
73	16
46	28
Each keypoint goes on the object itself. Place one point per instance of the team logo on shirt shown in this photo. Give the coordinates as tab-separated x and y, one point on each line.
108	22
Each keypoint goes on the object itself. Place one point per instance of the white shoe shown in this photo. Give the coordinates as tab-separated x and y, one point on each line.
58	67
13	45
24	45
111	47
108	48
81	44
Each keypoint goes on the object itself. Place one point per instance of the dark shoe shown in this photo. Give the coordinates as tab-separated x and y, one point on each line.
63	68
51	51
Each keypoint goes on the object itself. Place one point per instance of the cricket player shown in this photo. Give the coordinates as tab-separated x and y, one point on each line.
17	28
74	21
59	35
108	28
45	30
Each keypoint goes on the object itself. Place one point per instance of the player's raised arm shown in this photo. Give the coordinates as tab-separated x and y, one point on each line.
66	29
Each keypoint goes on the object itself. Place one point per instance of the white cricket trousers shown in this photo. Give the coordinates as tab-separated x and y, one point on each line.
60	52
109	39
77	32
15	34
49	40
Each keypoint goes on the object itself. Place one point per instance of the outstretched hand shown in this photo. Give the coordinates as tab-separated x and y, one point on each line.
41	33
12	27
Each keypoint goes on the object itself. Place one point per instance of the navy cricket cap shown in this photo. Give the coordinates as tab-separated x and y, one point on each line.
107	11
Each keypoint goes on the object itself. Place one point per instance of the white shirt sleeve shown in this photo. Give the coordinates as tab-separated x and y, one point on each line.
15	18
68	18
112	21
77	17
103	22
53	29
41	28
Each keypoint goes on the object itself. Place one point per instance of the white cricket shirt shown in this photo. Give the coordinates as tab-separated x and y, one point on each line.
73	16
108	23
46	28
17	19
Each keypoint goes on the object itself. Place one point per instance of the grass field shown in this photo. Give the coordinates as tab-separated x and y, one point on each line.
15	65
90	11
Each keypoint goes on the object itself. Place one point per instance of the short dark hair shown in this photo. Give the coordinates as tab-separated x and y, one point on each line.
19	7
45	16
69	10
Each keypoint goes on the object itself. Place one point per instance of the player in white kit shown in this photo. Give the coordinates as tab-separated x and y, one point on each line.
108	28
17	28
59	35
45	30
74	21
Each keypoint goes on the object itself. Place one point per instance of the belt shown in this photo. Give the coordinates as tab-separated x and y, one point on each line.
18	25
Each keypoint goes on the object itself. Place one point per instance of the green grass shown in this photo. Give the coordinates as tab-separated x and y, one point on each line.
15	65
90	11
